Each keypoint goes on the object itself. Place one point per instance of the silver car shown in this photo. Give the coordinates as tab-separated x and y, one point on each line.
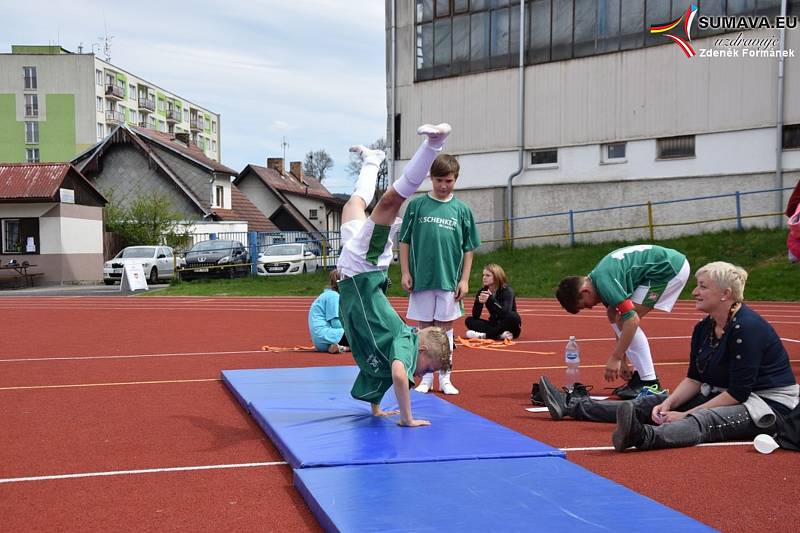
158	263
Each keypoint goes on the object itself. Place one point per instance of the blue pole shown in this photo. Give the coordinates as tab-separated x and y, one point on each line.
738	211
571	228
253	241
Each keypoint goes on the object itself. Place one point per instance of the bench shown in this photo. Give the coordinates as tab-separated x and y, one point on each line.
19	278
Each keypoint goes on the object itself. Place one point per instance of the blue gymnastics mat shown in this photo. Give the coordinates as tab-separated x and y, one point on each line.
309	415
523	494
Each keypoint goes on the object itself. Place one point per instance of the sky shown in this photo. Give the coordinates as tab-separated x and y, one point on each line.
311	72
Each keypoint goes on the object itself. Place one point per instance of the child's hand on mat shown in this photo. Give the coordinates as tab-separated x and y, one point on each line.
413	423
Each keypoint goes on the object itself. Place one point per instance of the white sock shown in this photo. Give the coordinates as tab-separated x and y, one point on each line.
370	165
417	169
639	354
444	377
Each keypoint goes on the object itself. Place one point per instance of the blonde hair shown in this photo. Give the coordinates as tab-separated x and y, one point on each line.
438	345
726	276
498	273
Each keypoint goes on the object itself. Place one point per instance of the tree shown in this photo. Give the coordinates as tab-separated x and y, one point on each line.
317	162
148	218
354	165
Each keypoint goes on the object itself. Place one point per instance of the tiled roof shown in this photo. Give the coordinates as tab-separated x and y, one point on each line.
36	181
290	184
243	209
192	151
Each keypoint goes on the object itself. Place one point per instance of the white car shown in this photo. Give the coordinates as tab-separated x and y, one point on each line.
158	263
287	259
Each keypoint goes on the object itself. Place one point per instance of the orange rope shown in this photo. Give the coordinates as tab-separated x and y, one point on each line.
268	348
484	343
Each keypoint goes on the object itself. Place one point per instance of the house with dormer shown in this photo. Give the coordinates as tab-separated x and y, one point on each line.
133	160
291	200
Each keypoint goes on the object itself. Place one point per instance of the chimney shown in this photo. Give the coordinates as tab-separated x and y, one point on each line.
182	137
297	170
275	163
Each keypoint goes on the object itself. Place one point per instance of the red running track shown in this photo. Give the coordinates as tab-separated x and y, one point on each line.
114	417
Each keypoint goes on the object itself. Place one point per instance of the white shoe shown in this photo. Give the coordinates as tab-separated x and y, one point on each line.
374	156
448	388
765	444
506	335
423	387
475	334
436	134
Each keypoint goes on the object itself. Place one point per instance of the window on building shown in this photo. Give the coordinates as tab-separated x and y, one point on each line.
131	91
32	155
162	126
312	214
32	132
98	103
29	74
98	76
460	36
219	196
185	115
791	136
31	105
132	116
544	157
99	131
161	104
613	152
213	145
213	126
20	235
675	147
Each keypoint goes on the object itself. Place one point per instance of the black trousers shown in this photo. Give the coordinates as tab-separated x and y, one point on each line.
493	330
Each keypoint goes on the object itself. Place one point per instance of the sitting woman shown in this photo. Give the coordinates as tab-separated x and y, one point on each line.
739	382
324	325
498	297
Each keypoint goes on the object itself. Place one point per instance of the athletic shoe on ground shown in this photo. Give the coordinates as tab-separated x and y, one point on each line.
475	334
629	429
506	335
632	388
423	387
651	390
765	444
448	388
436	134
556	400
375	156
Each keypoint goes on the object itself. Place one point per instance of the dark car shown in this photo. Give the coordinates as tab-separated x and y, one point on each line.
215	259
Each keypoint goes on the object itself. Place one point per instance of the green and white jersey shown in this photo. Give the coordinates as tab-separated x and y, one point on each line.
376	333
618	274
438	234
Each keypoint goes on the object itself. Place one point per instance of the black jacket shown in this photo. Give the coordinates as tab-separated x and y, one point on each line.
502	304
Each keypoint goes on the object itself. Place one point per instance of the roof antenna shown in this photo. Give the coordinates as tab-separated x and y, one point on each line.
284	144
106	40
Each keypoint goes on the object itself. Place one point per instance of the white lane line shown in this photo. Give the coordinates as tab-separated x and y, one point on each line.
134	356
117	384
609	448
142	471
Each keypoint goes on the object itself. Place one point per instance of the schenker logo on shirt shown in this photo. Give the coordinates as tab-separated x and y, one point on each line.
446	223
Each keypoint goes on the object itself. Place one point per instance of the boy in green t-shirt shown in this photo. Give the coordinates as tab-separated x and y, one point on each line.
437	240
385	349
630	282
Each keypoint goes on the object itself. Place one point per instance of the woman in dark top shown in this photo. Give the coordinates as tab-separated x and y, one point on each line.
498	297
739	382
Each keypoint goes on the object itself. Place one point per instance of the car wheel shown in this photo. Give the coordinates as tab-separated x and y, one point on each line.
153	279
108	281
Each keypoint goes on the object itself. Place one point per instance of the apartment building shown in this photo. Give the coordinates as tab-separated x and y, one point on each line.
55	104
616	102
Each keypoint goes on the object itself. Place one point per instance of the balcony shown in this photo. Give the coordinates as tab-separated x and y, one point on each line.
114	117
147	104
196	124
147	124
115	92
173	115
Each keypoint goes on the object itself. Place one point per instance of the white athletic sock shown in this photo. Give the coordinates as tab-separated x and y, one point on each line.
639	354
444	377
370	164
417	169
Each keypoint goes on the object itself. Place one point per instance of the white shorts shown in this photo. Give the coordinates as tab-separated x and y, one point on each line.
434	304
664	302
363	253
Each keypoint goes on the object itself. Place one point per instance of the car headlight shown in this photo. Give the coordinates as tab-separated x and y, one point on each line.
226	259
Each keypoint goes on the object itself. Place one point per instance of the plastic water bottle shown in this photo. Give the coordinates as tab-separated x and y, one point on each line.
572	358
